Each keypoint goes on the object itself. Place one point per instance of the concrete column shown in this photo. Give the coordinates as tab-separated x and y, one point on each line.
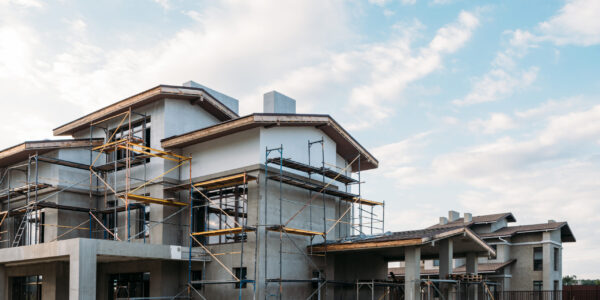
412	273
3	283
471	268
446	256
82	271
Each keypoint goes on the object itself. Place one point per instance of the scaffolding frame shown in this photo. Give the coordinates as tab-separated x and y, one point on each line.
204	188
123	140
318	189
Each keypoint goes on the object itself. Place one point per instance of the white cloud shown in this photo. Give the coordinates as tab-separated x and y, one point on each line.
505	77
394	66
497	122
385	2
576	23
24	3
165	4
378	73
77	25
552	107
79	76
498	83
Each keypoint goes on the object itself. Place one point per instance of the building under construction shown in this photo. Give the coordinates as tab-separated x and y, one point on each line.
170	194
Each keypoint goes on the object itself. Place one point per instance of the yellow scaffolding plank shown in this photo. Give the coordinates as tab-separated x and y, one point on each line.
224	182
217	183
295	231
108	145
147	199
367	202
234	230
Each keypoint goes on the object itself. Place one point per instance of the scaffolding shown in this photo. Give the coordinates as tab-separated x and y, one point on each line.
223	197
327	187
126	147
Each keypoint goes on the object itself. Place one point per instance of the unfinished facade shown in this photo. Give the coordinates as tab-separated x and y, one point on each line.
528	257
170	194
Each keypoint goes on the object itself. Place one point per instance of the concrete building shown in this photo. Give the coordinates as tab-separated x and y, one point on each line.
528	257
170	193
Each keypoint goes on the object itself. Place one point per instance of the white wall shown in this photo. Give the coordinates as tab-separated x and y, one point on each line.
222	154
181	116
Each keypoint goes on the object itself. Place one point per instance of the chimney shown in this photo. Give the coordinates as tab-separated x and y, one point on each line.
468	217
278	103
443	221
453	216
551	221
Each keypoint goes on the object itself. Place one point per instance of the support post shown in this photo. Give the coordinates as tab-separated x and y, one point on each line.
3	283
82	271
412	277
446	256
471	268
547	267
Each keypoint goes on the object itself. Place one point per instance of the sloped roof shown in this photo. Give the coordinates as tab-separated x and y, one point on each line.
566	234
347	146
21	152
483	219
482	268
205	100
402	239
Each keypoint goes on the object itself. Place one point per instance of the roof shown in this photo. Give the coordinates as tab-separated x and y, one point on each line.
483	219
22	151
481	268
347	146
206	101
402	239
566	234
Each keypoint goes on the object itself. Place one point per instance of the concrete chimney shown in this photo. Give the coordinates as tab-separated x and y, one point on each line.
443	220
278	103
551	221
453	216
468	217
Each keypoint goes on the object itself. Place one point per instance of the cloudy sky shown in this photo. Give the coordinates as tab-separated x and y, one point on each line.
477	106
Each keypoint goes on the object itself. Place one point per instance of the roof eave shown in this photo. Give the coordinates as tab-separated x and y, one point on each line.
214	106
323	122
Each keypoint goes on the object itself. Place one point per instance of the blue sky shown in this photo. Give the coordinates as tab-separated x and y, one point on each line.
477	106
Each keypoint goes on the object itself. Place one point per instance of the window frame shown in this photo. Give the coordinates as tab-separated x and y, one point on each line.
538	263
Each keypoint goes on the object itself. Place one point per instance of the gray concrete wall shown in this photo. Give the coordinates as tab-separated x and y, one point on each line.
55	275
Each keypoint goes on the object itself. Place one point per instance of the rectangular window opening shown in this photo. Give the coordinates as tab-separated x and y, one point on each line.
240	273
26	288
538	259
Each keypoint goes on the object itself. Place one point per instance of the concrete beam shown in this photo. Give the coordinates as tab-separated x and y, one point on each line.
412	275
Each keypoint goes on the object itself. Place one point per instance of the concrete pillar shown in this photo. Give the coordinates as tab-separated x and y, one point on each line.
3	283
547	267
412	273
82	271
471	268
446	266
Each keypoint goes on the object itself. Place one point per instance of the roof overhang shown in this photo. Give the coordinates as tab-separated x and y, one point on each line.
347	146
566	235
197	95
22	151
464	241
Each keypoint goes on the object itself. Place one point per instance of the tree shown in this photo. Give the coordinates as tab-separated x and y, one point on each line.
570	280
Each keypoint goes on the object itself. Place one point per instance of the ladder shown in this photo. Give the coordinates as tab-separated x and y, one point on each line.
22	226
